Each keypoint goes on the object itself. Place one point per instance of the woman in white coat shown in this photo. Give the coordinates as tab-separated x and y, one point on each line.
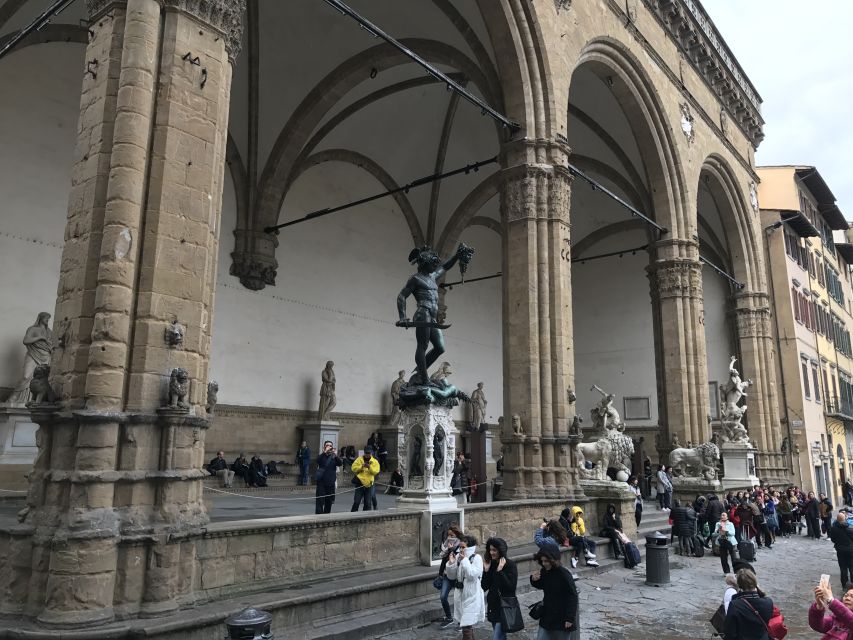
466	568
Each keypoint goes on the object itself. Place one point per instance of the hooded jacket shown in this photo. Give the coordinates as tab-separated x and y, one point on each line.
684	521
842	537
560	596
577	526
496	583
366	471
469	604
714	510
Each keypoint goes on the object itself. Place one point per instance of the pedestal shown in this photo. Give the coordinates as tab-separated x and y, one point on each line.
603	492
316	433
738	466
17	435
426	437
686	489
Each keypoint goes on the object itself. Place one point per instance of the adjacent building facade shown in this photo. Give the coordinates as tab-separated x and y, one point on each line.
809	260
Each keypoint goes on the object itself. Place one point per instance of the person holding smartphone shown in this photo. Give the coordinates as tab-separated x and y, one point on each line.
465	567
837	623
560	618
326	476
725	532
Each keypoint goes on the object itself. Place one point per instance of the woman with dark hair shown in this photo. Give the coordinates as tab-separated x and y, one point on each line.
551	532
448	547
559	619
465	567
749	610
612	528
500	577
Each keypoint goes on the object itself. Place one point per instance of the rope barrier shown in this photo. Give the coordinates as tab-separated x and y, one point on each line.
11	491
243	495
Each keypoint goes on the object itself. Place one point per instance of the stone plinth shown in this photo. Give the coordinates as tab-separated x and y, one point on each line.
316	433
427	486
738	466
17	435
684	488
604	492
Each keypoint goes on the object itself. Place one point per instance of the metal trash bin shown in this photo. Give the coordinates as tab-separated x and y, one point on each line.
249	624
657	559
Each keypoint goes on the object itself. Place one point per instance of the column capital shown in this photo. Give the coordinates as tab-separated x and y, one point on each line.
536	191
676	278
753	323
226	16
253	261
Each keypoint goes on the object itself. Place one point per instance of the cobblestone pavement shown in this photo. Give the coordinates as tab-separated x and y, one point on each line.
617	604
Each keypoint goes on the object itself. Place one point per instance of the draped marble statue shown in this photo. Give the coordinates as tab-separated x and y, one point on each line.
39	341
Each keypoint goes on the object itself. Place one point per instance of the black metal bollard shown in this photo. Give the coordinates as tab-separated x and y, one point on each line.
249	624
657	559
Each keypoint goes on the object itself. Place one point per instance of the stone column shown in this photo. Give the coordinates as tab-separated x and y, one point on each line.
538	357
676	290
757	362
117	484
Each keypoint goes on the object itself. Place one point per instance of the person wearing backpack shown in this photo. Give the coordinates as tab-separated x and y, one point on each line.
500	578
559	619
749	610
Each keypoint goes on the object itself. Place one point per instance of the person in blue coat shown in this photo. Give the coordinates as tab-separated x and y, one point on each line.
326	476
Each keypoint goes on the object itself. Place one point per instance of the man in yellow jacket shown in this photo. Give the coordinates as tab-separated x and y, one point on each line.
365	468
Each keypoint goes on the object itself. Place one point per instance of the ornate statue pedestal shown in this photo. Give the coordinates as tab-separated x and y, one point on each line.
738	466
686	488
426	437
17	435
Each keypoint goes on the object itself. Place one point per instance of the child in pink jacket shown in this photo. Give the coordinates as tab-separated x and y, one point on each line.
838	624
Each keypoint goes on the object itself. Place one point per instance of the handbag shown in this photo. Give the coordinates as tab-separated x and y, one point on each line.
776	628
536	610
718	620
511	618
438	582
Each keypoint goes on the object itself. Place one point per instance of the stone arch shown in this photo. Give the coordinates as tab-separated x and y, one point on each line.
636	95
374	169
54	32
318	102
744	250
466	210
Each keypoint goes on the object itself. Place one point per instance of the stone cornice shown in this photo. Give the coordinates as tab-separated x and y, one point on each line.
702	45
274	413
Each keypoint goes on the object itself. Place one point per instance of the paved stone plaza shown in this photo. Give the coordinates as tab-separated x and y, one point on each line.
617	604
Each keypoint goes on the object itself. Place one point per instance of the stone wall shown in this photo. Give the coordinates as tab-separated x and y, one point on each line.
233	558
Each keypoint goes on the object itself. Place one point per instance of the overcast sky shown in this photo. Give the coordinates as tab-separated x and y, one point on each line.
799	56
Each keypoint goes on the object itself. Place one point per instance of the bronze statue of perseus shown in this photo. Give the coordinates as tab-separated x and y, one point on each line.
424	286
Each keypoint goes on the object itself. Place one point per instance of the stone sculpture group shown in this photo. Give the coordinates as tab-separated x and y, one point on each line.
611	448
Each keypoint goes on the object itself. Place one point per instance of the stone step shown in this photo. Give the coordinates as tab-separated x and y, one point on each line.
426	610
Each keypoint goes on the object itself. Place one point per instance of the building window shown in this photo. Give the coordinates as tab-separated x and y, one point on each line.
713	401
816	381
637	408
805	366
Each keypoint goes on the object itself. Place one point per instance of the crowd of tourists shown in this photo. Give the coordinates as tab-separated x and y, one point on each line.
253	473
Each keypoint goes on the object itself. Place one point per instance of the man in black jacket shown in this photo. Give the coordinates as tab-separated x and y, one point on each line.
842	537
327	473
684	526
712	515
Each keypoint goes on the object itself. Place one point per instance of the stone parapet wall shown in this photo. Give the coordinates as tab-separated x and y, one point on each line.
253	555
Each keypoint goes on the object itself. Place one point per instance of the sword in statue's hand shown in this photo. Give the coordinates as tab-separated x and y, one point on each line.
420	324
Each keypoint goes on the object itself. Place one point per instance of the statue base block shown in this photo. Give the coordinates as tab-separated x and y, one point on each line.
426	440
738	466
604	492
316	433
17	435
686	489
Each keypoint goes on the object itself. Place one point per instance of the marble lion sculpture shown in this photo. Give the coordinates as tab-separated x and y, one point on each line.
696	462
